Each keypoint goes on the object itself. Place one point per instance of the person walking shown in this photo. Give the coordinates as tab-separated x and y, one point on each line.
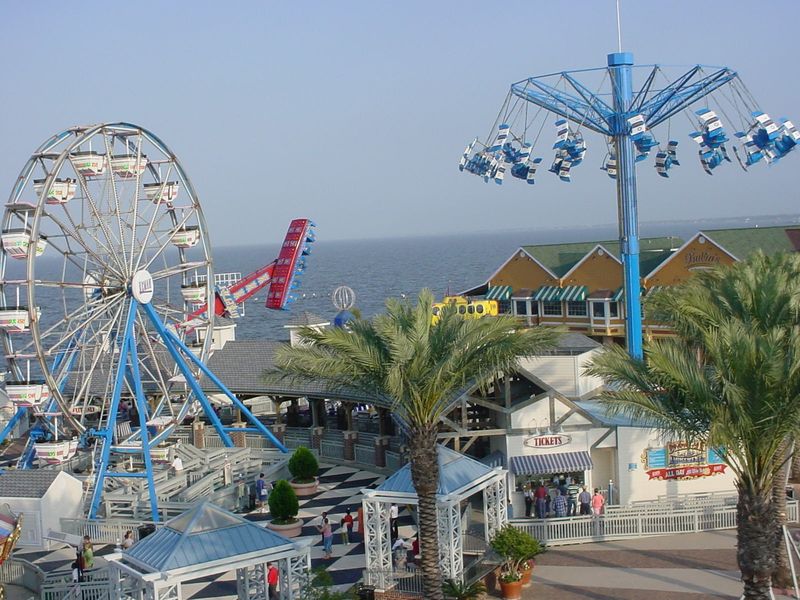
322	519
560	504
272	581
572	499
541	496
585	500
347	527
327	539
87	550
527	493
598	503
263	488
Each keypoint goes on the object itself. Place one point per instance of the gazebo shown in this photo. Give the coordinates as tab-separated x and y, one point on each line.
208	540
460	477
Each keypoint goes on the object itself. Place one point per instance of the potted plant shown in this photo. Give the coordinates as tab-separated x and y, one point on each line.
283	507
517	549
303	466
459	590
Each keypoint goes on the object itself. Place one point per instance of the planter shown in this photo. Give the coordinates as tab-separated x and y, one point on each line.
288	530
511	590
526	575
305	489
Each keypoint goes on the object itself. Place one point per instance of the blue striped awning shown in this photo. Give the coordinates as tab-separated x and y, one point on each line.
574	293
498	292
548	293
551	464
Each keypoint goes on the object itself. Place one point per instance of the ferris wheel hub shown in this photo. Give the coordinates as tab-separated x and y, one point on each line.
142	286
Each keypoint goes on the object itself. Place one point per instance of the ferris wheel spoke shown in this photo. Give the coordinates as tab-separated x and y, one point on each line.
176	270
72	234
152	221
163	241
158	363
100	221
116	209
135	202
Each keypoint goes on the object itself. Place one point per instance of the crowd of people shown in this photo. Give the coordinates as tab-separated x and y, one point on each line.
564	499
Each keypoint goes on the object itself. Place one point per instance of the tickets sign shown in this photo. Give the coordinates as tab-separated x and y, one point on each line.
547	441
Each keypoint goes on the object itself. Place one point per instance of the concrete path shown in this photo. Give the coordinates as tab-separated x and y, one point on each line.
699	566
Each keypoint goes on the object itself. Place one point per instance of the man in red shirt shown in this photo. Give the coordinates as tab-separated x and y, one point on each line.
272	581
541	501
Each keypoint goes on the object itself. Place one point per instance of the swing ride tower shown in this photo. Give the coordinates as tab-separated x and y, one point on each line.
626	117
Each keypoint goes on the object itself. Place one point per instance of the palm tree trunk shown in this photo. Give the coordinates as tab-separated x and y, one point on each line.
755	531
425	475
782	576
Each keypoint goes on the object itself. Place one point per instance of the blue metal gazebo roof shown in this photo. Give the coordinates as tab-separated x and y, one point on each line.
456	472
204	534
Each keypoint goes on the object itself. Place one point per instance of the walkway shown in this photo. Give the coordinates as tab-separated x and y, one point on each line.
694	566
340	488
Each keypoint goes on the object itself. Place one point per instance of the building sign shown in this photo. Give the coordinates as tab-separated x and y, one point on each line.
680	460
694	259
548	441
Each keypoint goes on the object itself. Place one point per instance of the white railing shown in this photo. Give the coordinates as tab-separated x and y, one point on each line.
631	523
407	583
104	531
16	571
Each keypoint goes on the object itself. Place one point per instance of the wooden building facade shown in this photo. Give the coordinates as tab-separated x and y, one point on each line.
580	285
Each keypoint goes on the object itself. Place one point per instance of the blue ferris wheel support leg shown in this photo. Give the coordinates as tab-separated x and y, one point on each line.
620	64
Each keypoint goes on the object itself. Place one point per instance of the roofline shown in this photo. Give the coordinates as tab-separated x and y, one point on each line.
587	256
681	248
531	256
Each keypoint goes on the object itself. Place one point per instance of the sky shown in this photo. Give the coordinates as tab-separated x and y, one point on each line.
355	113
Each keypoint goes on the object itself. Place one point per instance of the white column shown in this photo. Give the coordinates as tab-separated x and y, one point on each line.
251	582
294	571
377	541
448	522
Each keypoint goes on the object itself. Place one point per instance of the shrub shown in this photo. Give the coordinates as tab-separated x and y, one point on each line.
303	465
283	505
515	546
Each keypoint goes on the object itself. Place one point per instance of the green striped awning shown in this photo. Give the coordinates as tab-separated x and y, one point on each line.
498	292
574	293
548	293
620	294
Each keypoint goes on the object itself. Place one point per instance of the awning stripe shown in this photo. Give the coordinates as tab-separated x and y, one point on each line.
551	464
548	293
574	293
654	289
498	292
618	294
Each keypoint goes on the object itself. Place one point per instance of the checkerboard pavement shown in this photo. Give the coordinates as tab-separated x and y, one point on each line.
339	488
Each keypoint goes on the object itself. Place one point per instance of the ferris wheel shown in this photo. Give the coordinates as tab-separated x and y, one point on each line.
105	253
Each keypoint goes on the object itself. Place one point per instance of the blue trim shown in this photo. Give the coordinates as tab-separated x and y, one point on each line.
108	432
142	409
169	343
221	386
620	70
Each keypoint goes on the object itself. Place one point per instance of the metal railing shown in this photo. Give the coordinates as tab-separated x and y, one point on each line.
630	523
364	454
393	460
329	449
108	531
407	582
16	571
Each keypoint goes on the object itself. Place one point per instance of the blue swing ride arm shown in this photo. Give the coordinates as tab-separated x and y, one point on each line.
561	103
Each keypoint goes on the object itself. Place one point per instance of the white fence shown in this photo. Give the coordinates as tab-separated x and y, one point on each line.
637	521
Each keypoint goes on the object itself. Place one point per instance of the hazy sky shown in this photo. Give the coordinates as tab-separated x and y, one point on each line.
355	113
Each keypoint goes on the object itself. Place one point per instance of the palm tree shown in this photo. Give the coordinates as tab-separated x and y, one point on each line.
400	358
730	379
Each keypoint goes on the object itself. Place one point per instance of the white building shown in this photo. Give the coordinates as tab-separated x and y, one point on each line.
564	431
43	497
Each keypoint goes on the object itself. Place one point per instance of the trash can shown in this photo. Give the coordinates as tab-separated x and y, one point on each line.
366	592
145	530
